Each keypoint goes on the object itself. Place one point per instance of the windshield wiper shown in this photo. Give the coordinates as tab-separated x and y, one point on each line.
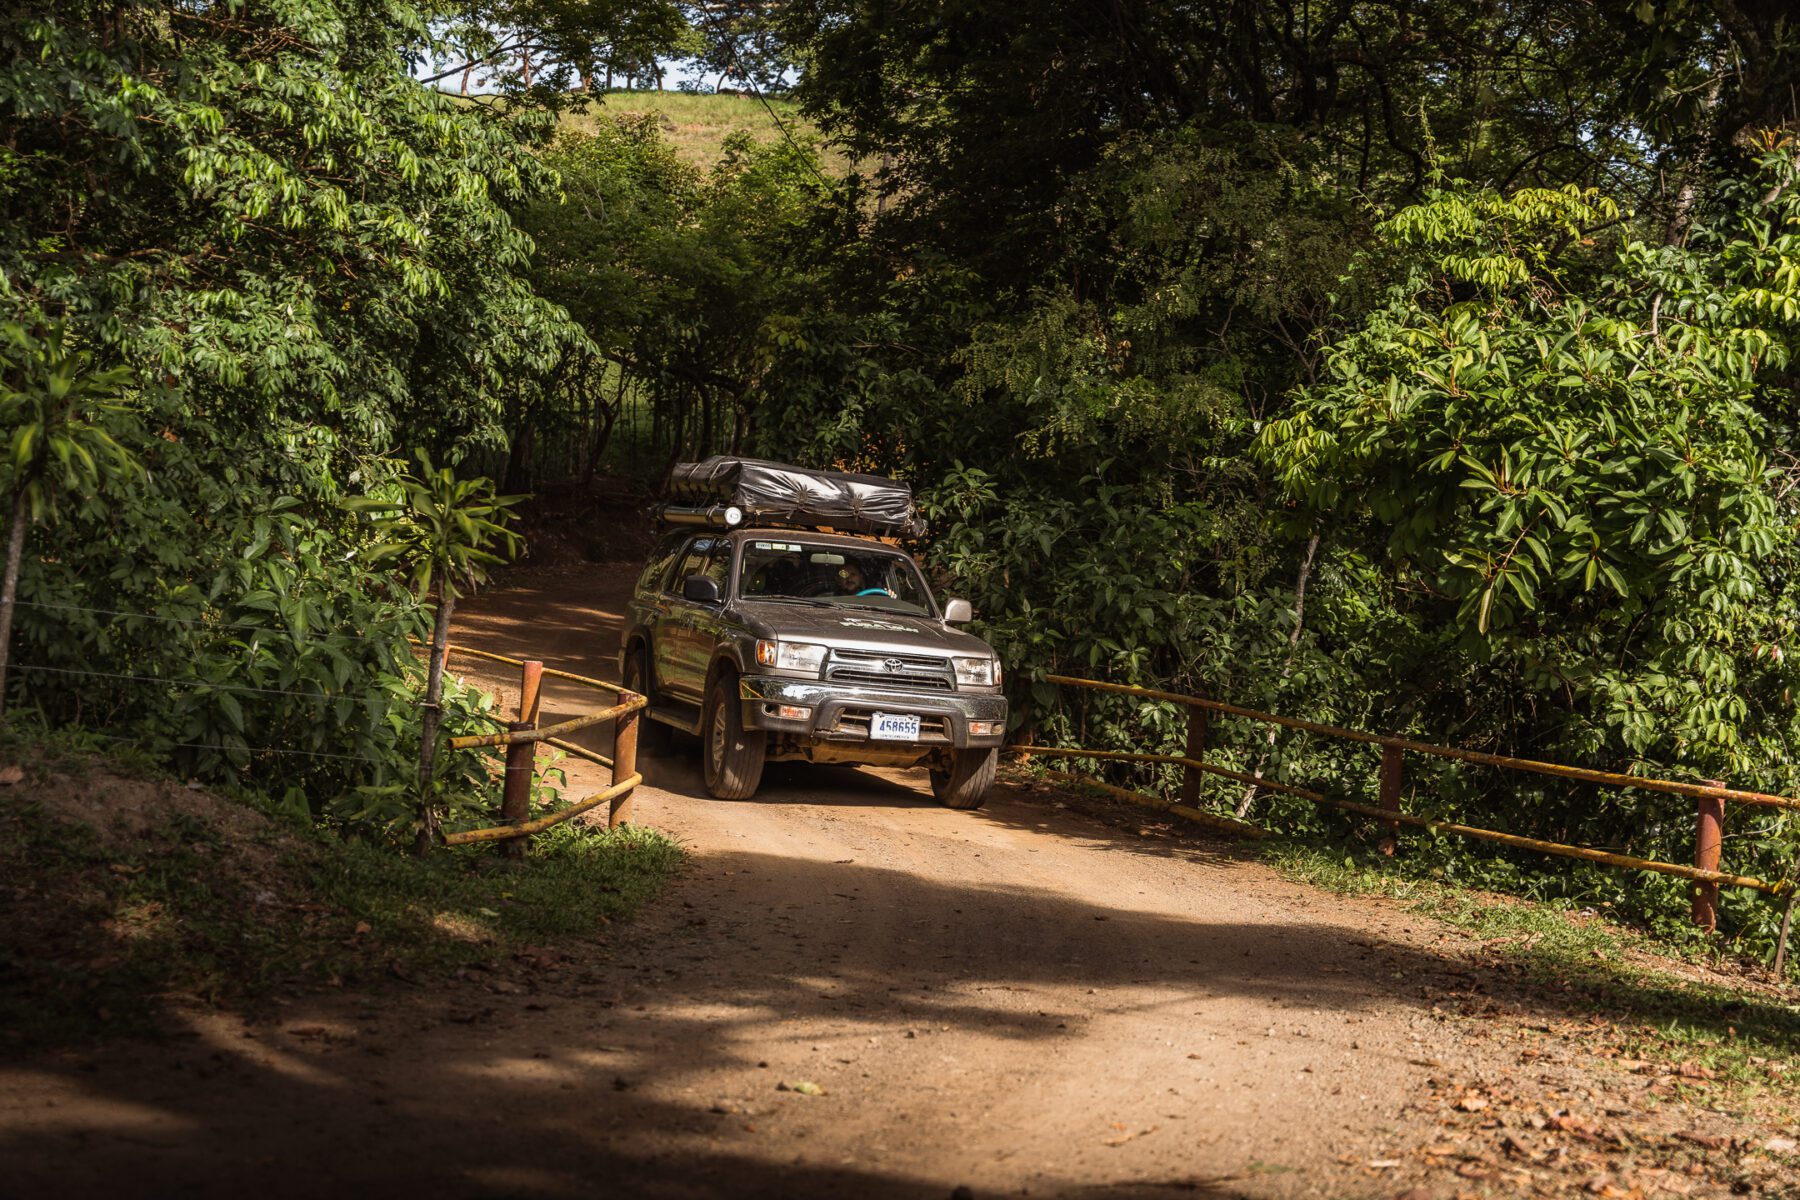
794	600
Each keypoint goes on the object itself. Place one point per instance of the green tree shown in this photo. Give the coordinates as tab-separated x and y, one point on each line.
308	258
57	404
440	533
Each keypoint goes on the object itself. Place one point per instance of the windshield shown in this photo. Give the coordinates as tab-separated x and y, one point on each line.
841	576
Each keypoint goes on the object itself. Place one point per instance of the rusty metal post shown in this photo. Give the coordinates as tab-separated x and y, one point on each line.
1391	768
624	756
1196	750
521	757
1781	943
1709	836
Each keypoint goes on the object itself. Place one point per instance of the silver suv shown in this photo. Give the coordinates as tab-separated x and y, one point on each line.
790	644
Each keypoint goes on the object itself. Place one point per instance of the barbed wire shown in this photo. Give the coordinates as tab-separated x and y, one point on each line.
205	683
143	616
115	737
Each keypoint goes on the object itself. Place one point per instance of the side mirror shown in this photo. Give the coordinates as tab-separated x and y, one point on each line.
958	612
700	589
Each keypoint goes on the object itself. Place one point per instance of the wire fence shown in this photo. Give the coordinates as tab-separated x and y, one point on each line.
516	740
320	635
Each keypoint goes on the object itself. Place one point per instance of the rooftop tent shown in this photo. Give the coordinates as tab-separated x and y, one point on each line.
780	494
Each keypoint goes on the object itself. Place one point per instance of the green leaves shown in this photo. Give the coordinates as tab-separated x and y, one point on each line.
62	409
441	531
1588	447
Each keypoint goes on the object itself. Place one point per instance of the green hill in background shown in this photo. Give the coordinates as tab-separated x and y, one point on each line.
697	123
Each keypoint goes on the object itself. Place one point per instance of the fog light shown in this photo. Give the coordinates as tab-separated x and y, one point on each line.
984	728
793	712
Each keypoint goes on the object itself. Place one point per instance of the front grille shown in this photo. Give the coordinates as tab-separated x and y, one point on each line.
883	679
891	670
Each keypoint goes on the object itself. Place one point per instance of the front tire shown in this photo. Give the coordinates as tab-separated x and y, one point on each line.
733	755
653	735
965	782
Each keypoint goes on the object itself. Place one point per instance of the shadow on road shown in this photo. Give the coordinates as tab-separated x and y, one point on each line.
607	1075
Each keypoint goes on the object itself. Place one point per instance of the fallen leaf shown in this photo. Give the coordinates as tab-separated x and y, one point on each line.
363	927
1383	1164
804	1087
1472	1103
11	774
1780	1145
1711	1141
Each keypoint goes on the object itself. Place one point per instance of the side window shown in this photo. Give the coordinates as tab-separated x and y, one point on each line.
719	565
656	571
693	562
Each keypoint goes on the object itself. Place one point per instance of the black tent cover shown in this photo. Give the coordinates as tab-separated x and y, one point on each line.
789	495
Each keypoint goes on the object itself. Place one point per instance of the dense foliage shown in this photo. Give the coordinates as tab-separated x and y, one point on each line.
304	262
1414	365
1422	367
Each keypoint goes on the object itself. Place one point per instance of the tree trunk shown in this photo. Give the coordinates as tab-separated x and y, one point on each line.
517	477
467	71
1287	668
430	830
15	550
881	184
1681	216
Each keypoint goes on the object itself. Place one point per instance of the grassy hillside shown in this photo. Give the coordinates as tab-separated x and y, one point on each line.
697	123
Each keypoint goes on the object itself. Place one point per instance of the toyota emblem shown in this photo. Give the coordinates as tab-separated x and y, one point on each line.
893	664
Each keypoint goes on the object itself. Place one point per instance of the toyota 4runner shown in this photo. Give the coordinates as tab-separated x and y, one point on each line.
787	643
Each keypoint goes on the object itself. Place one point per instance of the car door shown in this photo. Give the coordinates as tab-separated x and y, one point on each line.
707	622
674	618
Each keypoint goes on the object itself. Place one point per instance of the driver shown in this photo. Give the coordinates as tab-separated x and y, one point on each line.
852	582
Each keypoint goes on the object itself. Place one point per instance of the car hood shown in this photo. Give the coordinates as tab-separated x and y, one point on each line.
858	629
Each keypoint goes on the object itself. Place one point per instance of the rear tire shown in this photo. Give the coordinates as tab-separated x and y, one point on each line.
653	735
965	783
733	756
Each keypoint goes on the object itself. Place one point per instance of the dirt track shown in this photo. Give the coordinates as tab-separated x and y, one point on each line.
1023	1000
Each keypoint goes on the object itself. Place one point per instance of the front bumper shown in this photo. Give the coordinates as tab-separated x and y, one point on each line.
841	714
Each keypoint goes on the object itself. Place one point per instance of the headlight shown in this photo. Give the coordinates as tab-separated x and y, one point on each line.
977	672
790	656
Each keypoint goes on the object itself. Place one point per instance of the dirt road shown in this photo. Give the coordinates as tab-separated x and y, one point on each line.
1022	1000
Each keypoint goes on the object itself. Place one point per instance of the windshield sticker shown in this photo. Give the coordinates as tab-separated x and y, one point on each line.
864	623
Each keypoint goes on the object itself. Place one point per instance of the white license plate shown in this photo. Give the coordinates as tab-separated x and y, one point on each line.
894	727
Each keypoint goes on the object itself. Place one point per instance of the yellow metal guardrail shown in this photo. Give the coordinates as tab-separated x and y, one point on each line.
521	738
1709	815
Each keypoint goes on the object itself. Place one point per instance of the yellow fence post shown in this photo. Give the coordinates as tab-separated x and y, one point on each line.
625	738
1391	768
521	757
1196	750
1709	837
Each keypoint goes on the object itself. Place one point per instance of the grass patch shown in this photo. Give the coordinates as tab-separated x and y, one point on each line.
104	929
1581	964
697	123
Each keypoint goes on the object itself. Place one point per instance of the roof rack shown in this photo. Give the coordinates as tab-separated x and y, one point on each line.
724	492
